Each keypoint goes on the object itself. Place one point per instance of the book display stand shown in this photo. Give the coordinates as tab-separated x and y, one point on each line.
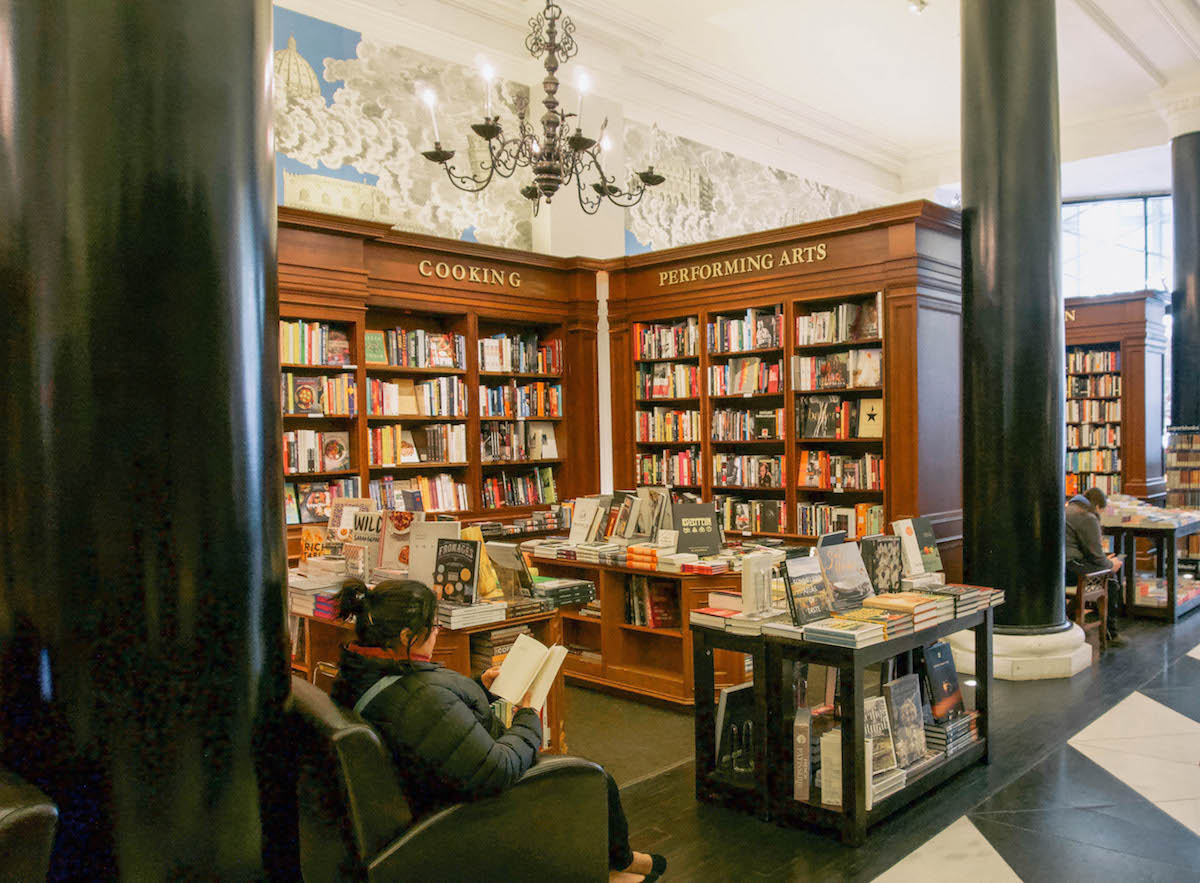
768	792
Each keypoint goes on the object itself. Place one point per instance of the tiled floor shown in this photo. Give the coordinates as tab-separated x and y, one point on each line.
1095	778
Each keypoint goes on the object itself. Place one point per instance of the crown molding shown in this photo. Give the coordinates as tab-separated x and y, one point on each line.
1179	105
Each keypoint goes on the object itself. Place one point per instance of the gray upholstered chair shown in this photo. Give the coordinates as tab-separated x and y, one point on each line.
27	822
356	825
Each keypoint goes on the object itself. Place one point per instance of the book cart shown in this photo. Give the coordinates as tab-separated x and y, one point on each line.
770	795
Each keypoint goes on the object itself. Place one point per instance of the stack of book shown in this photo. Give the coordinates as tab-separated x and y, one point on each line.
711	617
994	597
943	605
461	616
752	623
885	784
920	608
591	552
844	632
307	592
592	609
675	563
490	648
967	599
566	591
922	580
895	625
707	568
954	735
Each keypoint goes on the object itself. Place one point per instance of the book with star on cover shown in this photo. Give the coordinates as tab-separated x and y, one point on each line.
870	418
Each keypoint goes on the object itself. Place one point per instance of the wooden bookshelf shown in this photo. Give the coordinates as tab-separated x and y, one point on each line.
363	276
1130	327
910	254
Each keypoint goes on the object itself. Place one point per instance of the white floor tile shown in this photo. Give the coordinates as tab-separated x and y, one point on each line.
1186	812
959	852
1177	747
1194	652
1151	777
1136	715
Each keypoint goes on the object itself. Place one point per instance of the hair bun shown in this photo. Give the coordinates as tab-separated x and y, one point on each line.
351	600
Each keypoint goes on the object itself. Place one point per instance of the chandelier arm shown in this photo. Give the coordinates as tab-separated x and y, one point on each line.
588	203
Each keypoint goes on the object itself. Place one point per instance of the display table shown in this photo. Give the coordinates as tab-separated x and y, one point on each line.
770	796
1165	538
322	640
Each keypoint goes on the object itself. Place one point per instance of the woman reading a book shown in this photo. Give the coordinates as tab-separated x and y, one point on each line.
438	724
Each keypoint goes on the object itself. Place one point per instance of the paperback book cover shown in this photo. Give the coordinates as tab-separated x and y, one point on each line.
870	419
878	729
456	570
927	543
423	545
910	549
845	575
699	527
881	556
820	416
941	679
291	504
903	696
336	451
368	533
808	597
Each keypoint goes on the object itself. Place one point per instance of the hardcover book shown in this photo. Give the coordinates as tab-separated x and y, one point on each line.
866	368
291	505
368	533
397	538
820	416
408	447
910	549
376	348
341	520
542	443
307	395
337	347
881	556
870	419
845	575
802	754
699	527
423	544
808	597
456	570
903	696
941	680
927	544
336	451
877	728
314	502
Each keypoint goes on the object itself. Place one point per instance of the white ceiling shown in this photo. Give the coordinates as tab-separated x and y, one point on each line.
862	90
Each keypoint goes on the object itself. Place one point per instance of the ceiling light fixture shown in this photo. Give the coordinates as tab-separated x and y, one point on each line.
560	155
916	7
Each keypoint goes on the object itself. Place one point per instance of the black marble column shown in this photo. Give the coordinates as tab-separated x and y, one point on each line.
1185	300
1013	337
142	559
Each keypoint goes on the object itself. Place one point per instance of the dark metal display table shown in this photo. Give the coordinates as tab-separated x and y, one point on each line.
1166	542
770	794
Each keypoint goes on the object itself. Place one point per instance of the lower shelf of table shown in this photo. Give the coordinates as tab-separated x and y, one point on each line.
1153	611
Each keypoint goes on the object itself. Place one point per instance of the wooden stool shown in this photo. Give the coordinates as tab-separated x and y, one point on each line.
1092	588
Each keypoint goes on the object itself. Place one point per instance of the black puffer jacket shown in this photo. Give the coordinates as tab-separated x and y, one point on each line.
448	746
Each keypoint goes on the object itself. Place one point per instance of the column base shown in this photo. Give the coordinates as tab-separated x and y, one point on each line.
1027	657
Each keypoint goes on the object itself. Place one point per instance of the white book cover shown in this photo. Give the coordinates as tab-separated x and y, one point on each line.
529	668
543	445
910	549
368	533
422	554
581	521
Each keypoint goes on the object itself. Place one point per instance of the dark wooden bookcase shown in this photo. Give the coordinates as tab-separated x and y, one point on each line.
364	276
911	253
1131	326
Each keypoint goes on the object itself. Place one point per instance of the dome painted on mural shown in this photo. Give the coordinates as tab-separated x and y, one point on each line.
293	75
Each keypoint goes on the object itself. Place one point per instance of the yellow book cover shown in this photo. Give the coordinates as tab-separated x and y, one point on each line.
489	583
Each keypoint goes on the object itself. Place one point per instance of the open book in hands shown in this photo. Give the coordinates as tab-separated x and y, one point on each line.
529	668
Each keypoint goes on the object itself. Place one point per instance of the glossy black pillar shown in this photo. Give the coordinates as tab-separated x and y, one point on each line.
1013	325
142	619
1185	300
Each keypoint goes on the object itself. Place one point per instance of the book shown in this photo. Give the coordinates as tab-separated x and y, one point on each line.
931	559
512	570
903	697
542	444
910	549
808	597
314	502
529	669
877	727
581	520
408	448
406	393
368	533
870	418
337	347
902	602
866	368
699	527
802	754
488	583
820	416
456	570
375	348
341	520
845	575
306	395
335	453
735	732
396	546
356	561
881	557
423	543
941	681
291	505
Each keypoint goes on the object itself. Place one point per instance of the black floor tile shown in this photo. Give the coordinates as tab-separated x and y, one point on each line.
1063	779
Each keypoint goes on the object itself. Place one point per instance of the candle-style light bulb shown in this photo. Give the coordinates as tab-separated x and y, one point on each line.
583	83
605	143
430	99
489	74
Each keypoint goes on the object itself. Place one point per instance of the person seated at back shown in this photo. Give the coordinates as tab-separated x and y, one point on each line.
438	724
1085	551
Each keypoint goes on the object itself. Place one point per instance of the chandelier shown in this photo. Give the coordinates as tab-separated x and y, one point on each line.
556	155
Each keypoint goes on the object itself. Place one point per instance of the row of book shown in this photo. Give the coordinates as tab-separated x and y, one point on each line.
1094	385
666	340
1085	360
335	395
436	443
1099	460
651	602
524	440
745	376
756	516
417	348
1099	435
309	502
669	467
825	470
845	323
538	399
859	520
831	416
556	518
888	616
673	380
313	343
1093	411
1078	482
436	397
524	354
519	489
489	649
757	329
846	369
308	450
749	470
667	425
420	493
1183	475
733	425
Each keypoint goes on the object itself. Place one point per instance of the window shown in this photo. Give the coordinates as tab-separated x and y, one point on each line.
1112	245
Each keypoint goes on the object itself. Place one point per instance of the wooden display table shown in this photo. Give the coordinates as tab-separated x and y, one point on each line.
771	794
1165	539
322	641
